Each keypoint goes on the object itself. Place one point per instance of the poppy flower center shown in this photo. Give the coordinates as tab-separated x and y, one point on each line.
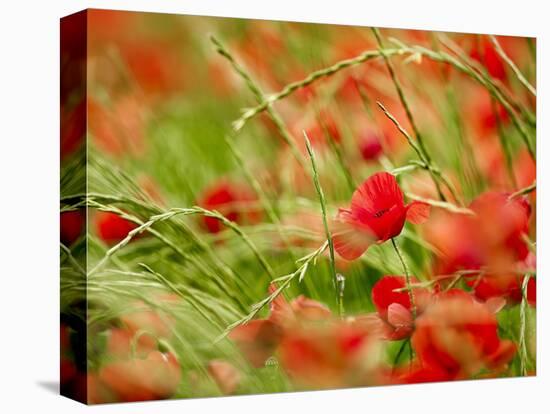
381	212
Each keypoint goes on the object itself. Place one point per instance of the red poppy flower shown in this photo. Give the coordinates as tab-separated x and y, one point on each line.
486	54
370	147
232	201
155	66
135	370
119	129
71	226
329	355
458	338
394	308
226	376
119	343
504	286
156	376
492	240
151	320
532	292
377	214
258	339
111	228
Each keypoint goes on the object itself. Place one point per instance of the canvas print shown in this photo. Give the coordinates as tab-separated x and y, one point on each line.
257	206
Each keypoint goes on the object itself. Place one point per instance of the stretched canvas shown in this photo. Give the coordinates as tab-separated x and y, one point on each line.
260	207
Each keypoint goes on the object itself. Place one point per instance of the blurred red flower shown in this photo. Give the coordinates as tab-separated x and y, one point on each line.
331	354
233	201
377	214
485	53
73	128
135	369
370	146
155	65
457	338
145	318
227	377
118	129
111	228
258	339
153	377
492	241
394	308
71	226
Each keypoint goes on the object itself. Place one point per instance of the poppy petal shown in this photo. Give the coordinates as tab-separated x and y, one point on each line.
384	294
280	310
417	212
372	323
257	340
350	242
379	190
226	376
399	316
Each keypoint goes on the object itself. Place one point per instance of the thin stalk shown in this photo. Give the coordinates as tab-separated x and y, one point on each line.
177	290
490	82
238	230
407	278
152	210
312	77
463	141
256	186
339	156
259	94
435	173
459	275
280	125
421	147
146	226
284	281
442	204
486	83
512	66
525	190
71	258
523	327
264	199
402	98
504	145
186	211
322	201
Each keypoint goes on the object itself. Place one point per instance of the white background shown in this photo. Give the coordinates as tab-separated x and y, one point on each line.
29	297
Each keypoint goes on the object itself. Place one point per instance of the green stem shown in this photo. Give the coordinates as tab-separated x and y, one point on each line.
402	98
513	66
407	278
259	94
285	282
181	291
434	172
325	222
523	327
399	353
523	191
488	84
71	258
504	145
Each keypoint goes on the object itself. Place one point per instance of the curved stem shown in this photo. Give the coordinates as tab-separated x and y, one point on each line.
407	278
322	201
